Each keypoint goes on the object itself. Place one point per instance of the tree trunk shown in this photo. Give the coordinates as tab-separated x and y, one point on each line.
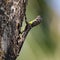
12	15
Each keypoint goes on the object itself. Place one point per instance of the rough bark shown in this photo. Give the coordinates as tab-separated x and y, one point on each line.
12	15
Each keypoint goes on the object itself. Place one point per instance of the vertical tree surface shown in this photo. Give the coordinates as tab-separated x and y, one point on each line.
12	15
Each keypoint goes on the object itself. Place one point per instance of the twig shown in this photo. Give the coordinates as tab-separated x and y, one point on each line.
28	27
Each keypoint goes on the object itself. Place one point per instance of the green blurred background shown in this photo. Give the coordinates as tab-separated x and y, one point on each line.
43	41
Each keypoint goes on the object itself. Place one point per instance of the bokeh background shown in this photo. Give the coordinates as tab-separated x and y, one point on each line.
43	41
